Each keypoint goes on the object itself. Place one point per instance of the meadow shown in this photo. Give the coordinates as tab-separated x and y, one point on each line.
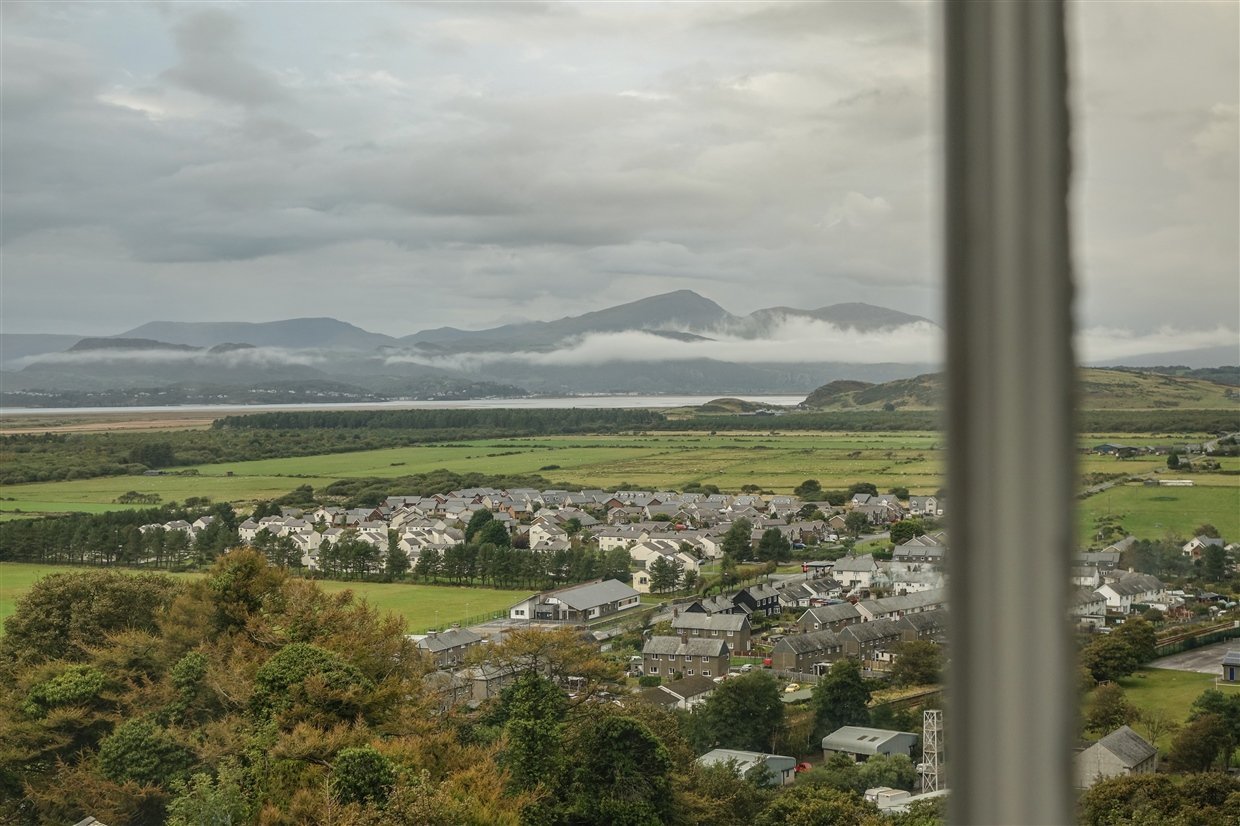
422	606
1161	688
1162	512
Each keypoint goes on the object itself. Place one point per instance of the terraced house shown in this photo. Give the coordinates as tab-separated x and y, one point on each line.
669	656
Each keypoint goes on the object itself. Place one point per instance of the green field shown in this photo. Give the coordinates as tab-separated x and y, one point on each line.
1159	512
422	606
1173	691
775	462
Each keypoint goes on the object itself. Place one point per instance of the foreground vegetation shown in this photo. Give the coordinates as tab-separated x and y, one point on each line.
248	697
419	606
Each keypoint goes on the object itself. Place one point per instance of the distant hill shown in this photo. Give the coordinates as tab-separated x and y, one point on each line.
293	333
1100	389
99	343
683	311
856	316
16	346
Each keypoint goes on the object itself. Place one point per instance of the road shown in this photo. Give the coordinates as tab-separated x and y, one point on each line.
1204	660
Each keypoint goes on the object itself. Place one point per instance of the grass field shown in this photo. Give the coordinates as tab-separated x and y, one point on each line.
422	606
1173	691
1158	512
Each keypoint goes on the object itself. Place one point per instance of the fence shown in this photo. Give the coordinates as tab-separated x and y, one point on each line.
1196	638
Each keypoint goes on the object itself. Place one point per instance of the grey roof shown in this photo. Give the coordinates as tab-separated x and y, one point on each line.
761	591
908	602
827	614
594	594
718	604
925	620
1129	747
1231	658
858	563
809	643
879	629
694	647
1085	596
861	739
451	638
657	696
746	760
1136	584
711	622
689	687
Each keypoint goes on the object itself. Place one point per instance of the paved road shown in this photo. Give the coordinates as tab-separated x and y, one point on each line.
1204	660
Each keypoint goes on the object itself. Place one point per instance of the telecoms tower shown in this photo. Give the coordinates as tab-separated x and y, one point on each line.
931	750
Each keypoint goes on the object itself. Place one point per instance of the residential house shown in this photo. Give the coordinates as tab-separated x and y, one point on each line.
448	648
1132	589
683	694
897	606
861	743
872	642
762	598
1121	752
1089	608
924	506
1197	545
668	656
732	628
832	617
856	572
807	653
780	769
578	603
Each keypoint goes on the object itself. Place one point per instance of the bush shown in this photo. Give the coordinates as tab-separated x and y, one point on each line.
362	775
650	681
141	752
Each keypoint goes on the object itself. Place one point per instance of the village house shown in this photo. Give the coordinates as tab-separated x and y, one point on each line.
448	648
832	617
683	694
732	628
856	572
669	656
807	653
1132	589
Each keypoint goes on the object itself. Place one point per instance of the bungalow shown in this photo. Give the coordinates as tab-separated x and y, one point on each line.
780	769
578	603
667	656
862	743
683	694
1123	751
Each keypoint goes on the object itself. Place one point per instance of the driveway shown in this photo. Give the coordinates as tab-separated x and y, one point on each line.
1205	660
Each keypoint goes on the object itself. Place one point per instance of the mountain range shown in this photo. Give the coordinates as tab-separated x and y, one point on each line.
679	342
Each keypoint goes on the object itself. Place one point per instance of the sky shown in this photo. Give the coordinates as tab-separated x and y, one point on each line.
408	166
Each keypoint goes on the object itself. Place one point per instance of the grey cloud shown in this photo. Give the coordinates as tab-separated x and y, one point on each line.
210	42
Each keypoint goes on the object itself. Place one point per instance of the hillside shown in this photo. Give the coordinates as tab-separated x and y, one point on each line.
1100	389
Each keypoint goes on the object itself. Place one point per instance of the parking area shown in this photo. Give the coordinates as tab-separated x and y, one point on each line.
1205	660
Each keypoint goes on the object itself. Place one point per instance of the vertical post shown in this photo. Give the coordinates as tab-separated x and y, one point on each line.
1011	475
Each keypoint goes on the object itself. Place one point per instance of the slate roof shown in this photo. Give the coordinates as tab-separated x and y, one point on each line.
1085	596
1129	748
1136	584
859	563
451	638
1231	658
926	620
880	629
695	647
809	643
827	614
711	622
689	687
594	594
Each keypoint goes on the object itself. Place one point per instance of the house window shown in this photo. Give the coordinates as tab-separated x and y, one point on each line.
689	672
654	669
705	672
704	659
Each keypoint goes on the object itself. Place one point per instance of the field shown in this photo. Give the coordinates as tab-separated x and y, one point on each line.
1161	688
1158	512
422	606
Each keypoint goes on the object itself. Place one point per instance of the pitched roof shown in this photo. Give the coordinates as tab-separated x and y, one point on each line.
697	621
694	647
809	643
860	739
1129	747
857	563
594	594
1231	658
451	638
690	687
827	614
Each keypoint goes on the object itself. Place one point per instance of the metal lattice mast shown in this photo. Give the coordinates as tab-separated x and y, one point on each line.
931	750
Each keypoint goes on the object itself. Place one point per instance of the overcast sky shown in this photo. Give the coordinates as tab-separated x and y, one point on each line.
404	166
